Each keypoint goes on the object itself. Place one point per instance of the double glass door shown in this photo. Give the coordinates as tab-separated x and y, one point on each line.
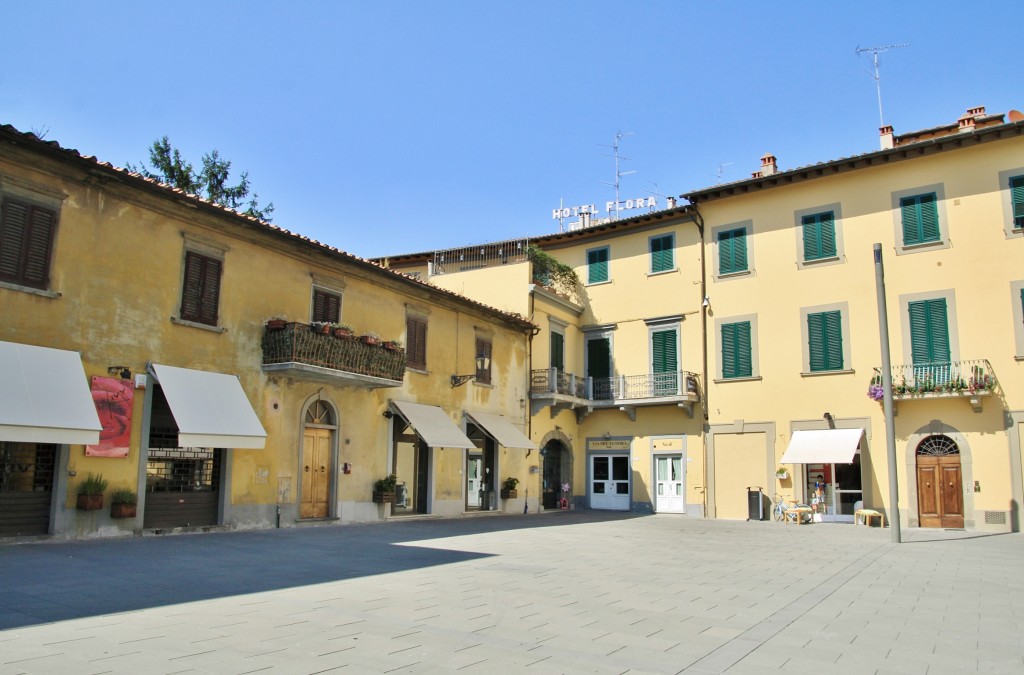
671	481
833	489
609	482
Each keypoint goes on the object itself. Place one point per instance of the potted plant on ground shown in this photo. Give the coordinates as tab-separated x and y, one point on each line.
90	492
384	489
123	503
508	488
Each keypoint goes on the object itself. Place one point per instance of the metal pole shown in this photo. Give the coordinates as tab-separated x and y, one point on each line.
887	409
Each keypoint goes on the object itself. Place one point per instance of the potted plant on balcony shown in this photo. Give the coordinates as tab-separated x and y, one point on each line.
277	323
508	488
320	327
90	492
384	489
342	330
370	338
123	503
394	345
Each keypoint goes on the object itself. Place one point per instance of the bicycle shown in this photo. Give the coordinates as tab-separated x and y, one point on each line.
779	508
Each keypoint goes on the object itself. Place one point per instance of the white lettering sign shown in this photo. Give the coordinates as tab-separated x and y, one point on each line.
572	211
629	204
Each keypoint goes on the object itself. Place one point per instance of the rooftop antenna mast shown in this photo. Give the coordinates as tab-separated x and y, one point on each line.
618	174
875	51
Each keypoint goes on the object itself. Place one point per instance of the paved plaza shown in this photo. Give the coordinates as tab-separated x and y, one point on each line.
573	592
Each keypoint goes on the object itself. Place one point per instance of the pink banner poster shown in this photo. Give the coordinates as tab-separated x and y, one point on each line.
113	399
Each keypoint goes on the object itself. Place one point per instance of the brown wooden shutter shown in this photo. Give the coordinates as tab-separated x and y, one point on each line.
200	293
326	307
483	348
26	241
416	343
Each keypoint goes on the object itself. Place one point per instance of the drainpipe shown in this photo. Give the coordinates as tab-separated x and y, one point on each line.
705	408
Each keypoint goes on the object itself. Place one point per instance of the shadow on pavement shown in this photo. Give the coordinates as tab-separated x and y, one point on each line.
56	581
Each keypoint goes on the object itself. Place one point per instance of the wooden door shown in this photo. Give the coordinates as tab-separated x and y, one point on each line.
940	491
316	473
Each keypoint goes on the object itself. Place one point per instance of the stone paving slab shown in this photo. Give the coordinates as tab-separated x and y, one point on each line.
576	592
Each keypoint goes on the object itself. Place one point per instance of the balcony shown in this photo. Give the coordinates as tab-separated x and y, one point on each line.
298	351
560	390
971	380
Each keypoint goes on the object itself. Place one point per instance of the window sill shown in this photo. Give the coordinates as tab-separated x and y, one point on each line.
28	289
421	371
599	283
662	272
726	380
195	324
820	373
819	261
733	275
923	246
485	385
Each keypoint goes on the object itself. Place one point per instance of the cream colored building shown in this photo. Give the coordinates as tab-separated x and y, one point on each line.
139	344
759	296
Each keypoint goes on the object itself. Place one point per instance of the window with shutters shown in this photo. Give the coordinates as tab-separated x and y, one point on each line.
484	349
929	331
736	356
665	360
1017	316
662	253
326	306
26	243
599	366
819	235
920	218
597	265
825	341
416	342
200	293
1016	184
731	250
557	351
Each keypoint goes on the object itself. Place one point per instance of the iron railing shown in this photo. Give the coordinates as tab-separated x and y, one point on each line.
476	257
952	378
305	344
619	388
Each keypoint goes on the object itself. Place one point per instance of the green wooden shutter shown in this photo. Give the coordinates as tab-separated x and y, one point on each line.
920	216
664	351
597	265
819	236
929	331
732	251
736	357
662	254
558	351
1017	199
825	341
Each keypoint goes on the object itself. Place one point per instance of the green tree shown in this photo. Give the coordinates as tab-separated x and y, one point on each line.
209	182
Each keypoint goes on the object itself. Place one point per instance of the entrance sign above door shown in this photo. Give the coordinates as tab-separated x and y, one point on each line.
500	429
827	446
210	409
45	397
433	425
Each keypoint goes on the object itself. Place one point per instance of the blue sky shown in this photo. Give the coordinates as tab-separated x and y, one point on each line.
391	127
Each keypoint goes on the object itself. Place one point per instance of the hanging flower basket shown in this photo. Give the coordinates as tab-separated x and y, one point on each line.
782	474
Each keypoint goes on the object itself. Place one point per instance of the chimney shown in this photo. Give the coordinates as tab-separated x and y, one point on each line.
886	137
756	174
671	202
976	112
768	165
965	123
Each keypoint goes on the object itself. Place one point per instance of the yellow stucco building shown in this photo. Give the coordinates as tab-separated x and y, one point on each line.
734	343
197	358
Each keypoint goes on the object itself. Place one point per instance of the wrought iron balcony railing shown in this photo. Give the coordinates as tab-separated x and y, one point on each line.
298	346
620	388
949	379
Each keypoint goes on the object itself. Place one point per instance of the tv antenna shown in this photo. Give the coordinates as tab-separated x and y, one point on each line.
721	170
618	174
875	51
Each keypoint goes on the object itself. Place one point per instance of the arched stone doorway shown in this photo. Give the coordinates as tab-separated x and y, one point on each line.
556	469
320	426
940	492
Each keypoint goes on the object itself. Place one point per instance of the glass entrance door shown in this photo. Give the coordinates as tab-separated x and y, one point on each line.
834	489
670	484
609	482
474	481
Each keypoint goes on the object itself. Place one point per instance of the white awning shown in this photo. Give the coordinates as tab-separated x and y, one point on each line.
501	430
45	397
210	409
433	425
827	446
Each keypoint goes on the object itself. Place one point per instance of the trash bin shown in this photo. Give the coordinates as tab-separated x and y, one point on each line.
755	503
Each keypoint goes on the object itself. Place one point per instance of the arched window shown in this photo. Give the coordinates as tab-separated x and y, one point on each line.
938	446
319	412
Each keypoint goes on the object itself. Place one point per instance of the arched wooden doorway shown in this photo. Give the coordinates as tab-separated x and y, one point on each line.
940	492
318	432
557	472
